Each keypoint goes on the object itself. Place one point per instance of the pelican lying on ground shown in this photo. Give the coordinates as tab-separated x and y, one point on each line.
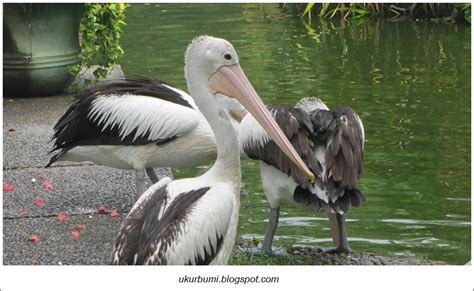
330	142
136	124
194	221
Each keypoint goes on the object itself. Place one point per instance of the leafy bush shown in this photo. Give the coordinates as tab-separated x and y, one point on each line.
100	32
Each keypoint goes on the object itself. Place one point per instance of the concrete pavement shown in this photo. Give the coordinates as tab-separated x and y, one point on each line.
79	190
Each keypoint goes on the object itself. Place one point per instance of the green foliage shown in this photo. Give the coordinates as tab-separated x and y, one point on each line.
307	10
100	32
329	10
445	12
464	10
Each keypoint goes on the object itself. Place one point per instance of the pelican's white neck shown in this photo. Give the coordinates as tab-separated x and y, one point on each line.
227	165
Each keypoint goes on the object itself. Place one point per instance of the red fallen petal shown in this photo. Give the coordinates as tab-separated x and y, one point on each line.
39	201
75	234
47	185
102	210
34	262
62	216
8	187
81	226
23	212
34	238
114	213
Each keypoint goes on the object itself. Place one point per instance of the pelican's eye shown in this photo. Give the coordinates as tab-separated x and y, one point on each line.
227	56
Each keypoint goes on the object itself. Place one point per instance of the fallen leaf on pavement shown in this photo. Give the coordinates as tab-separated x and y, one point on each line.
23	212
39	202
34	238
62	216
75	234
8	187
47	185
81	226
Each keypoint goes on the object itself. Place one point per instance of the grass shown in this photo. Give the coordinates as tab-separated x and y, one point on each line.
269	259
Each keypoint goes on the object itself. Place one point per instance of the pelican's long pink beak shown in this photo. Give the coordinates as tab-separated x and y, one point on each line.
230	80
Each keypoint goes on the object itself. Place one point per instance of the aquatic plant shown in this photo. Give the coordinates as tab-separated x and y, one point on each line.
444	12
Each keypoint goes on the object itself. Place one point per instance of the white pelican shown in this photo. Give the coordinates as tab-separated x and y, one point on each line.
194	221
119	124
330	142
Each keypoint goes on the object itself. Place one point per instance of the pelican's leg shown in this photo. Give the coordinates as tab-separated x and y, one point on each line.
272	225
151	173
266	247
140	182
338	232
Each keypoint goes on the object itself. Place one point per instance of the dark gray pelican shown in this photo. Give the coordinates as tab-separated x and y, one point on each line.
194	221
136	124
330	142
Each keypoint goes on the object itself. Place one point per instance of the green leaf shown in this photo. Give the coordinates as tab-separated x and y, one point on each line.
323	9
100	30
308	8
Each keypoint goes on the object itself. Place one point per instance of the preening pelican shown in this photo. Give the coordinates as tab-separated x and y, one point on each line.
330	142
136	124
194	221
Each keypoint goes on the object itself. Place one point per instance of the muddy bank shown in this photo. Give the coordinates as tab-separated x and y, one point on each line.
320	258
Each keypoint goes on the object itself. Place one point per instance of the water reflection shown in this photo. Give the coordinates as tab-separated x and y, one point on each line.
409	82
436	222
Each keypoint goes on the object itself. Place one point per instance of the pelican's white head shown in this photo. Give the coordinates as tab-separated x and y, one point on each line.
206	54
212	67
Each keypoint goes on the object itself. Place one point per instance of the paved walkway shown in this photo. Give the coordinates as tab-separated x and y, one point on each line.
78	190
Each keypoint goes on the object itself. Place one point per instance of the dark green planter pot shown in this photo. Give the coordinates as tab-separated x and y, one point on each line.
40	42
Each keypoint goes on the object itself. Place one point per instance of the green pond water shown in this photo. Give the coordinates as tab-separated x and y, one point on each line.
409	81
